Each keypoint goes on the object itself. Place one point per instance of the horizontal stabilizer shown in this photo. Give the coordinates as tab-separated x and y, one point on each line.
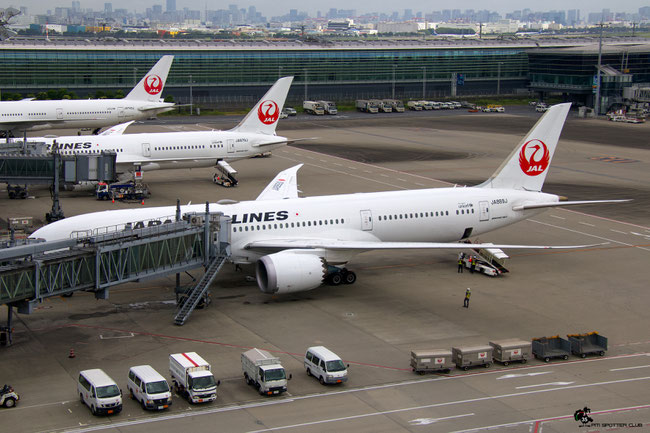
330	244
565	203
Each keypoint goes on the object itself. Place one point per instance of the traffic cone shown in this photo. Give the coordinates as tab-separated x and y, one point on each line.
72	355
142	202
113	200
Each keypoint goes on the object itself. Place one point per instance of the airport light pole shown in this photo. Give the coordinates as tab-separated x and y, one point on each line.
600	58
305	70
499	77
424	81
191	101
394	67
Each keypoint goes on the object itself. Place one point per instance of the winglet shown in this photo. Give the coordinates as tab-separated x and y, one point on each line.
117	129
263	118
151	86
284	185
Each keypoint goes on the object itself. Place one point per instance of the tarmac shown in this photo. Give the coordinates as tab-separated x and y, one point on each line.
401	301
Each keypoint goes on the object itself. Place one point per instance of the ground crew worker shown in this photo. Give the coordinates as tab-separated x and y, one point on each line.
460	265
473	264
468	293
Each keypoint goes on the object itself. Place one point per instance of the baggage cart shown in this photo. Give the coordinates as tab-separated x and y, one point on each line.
429	361
507	351
587	344
547	348
471	356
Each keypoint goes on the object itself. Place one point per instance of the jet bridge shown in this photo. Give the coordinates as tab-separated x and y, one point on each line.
108	257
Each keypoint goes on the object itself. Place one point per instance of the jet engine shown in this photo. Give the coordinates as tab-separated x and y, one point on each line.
289	272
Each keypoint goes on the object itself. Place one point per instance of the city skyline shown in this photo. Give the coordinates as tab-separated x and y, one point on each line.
280	7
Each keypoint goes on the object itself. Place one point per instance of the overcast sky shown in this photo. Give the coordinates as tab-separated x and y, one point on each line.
279	7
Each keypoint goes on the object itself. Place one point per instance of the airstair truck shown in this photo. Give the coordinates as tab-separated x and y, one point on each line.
192	377
264	372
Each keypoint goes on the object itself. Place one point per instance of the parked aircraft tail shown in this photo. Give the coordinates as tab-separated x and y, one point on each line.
150	88
263	118
527	166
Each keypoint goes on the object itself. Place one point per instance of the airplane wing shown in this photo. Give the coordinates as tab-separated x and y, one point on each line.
156	107
284	185
565	203
287	141
117	129
334	244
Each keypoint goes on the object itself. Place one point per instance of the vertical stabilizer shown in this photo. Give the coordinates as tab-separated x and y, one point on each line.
151	86
528	164
263	118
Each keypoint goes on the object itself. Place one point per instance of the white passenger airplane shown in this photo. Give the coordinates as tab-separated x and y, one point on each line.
254	135
298	243
142	102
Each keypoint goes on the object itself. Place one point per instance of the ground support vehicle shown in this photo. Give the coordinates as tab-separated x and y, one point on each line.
130	190
587	344
99	392
414	105
225	175
481	266
329	107
431	361
148	387
397	105
8	397
367	106
313	107
472	356
325	365
290	111
264	371
426	105
547	348
384	108
507	351
192	377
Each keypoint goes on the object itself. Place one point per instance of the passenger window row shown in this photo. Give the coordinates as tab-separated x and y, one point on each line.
413	215
274	226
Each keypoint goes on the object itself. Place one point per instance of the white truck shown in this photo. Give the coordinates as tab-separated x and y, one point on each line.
383	108
264	372
329	107
313	107
398	106
414	105
367	106
192	377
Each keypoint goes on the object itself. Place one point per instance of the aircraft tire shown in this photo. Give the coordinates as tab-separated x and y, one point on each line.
350	277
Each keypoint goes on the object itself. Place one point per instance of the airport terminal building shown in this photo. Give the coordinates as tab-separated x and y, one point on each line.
234	73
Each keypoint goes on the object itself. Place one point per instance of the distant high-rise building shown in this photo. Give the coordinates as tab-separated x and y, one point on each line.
408	14
76	6
573	17
644	12
108	8
446	15
156	9
171	5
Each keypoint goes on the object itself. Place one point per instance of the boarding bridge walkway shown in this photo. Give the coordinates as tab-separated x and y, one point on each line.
95	261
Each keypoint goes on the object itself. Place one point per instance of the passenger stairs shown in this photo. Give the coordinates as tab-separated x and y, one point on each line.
197	293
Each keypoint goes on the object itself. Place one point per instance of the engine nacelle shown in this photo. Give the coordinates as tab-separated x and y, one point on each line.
288	272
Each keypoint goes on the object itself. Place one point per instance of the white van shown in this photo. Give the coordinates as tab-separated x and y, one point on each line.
148	387
325	365
99	392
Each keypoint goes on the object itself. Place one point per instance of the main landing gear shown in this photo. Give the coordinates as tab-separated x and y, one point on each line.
341	276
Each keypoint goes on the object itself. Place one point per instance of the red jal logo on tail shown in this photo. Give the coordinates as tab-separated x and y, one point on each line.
268	112
534	157
153	84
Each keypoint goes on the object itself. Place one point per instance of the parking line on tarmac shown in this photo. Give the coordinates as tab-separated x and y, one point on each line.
558	217
629	368
589	234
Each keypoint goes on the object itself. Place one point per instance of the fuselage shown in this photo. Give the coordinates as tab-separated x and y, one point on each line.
77	113
427	215
169	150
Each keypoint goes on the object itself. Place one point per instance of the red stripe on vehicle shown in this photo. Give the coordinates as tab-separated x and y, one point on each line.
190	359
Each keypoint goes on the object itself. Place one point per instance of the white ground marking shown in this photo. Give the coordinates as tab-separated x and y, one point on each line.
512	376
588	234
586	224
545	384
629	368
427	421
558	217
